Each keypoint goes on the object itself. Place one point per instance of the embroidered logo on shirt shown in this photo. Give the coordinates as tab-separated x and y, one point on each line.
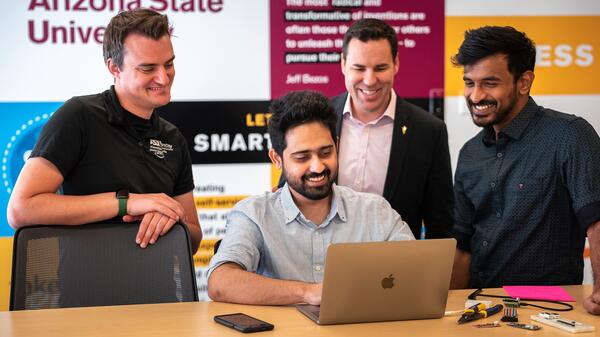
159	148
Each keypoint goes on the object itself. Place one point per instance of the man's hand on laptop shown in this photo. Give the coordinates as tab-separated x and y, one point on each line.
312	293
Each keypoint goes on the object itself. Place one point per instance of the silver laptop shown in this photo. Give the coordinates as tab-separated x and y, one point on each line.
384	281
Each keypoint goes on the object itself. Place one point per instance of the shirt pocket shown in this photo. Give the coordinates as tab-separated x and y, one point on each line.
527	196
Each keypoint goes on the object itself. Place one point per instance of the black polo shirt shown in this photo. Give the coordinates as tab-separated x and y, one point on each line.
524	202
100	147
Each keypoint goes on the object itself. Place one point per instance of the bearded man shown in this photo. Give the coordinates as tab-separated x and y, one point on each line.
527	187
275	244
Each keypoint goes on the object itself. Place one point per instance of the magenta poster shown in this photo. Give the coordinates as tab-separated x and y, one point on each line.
306	43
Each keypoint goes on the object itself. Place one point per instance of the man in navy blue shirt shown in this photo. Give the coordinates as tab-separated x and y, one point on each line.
527	187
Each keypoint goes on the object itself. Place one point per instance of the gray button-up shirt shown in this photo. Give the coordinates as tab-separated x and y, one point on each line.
268	234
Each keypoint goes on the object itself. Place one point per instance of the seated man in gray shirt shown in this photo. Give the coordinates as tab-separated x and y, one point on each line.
274	248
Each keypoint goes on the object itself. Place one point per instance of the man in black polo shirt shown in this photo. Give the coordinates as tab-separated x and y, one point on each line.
527	187
111	152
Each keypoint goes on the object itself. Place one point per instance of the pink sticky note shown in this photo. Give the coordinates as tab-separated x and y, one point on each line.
552	293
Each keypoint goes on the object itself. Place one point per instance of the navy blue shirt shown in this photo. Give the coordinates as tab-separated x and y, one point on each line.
524	201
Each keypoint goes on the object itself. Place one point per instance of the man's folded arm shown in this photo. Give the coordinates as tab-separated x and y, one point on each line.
34	200
191	218
231	283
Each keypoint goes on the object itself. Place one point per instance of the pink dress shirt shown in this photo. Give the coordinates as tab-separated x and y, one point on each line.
364	150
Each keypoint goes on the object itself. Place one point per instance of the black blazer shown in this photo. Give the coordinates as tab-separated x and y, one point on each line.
418	183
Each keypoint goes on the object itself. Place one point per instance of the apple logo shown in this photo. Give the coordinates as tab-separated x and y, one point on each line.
388	282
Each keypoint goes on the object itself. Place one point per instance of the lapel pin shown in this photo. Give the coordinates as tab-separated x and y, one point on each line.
404	128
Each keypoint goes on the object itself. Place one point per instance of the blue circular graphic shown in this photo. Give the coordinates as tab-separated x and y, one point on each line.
18	148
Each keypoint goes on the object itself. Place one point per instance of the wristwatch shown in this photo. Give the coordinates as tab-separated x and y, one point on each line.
122	197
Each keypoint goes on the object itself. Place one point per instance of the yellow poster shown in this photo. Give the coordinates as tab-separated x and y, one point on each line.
6	263
567	52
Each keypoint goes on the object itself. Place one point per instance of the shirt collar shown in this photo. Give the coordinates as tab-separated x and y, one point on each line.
117	115
389	113
292	212
516	127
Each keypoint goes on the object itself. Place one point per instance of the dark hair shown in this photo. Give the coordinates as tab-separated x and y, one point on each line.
491	40
370	29
296	108
140	21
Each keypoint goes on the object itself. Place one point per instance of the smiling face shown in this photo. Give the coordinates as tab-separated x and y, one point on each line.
144	81
369	71
309	161
493	96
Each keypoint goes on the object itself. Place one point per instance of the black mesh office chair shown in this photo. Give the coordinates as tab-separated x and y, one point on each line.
99	264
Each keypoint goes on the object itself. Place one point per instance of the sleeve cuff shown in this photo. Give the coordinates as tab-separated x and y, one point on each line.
463	241
589	215
212	267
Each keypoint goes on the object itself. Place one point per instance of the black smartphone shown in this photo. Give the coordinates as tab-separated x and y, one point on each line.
244	323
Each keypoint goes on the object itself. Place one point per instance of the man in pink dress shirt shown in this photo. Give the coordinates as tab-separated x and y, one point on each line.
388	146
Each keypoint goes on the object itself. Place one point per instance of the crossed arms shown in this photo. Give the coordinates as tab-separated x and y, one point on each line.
34	201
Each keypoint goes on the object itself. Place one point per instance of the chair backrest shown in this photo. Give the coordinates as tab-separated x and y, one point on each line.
99	264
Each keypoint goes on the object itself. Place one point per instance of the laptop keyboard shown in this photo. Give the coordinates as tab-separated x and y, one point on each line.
314	309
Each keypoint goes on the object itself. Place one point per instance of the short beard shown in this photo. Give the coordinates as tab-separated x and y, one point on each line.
312	193
501	115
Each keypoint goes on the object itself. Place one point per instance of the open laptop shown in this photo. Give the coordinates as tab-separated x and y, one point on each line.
384	281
